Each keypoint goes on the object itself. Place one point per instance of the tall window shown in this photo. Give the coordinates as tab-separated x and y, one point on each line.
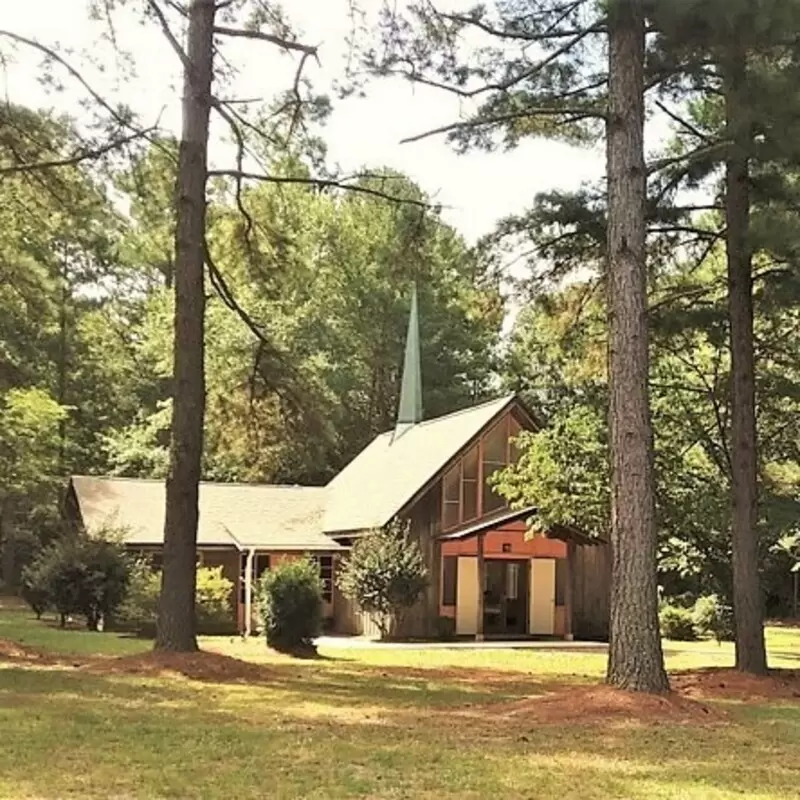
260	566
466	493
325	564
449	580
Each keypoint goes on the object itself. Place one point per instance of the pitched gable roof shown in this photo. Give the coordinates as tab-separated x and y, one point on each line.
241	515
390	471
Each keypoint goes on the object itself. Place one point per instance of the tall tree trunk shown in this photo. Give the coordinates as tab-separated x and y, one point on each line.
747	600
635	657
175	628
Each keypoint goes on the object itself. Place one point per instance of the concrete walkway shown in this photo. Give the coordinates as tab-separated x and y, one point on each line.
367	643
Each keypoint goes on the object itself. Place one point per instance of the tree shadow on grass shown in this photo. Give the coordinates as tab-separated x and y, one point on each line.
143	726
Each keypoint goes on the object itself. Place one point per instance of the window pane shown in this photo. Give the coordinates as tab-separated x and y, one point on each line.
512	581
261	564
491	500
451	516
495	444
470	500
326	575
451	485
471	464
449	580
514	431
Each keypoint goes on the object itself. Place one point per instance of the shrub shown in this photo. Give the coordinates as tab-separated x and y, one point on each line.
713	617
290	605
384	574
677	624
87	576
139	609
213	600
35	587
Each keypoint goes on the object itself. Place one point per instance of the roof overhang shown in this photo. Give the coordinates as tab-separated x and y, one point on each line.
564	532
489	522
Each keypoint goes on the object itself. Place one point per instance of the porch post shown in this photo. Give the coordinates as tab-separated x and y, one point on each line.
248	592
568	591
481	583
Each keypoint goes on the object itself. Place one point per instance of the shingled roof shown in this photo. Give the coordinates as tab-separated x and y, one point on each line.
241	515
379	482
369	492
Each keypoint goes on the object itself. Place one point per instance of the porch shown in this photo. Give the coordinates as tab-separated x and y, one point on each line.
496	583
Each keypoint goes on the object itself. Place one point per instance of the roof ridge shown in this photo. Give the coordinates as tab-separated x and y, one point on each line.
506	398
243	484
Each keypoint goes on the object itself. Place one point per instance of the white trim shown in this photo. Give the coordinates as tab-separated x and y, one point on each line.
248	591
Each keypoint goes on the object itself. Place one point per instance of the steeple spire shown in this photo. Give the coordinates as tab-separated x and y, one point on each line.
409	411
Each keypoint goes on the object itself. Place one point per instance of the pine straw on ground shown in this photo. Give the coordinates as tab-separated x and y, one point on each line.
201	665
557	702
598	704
716	683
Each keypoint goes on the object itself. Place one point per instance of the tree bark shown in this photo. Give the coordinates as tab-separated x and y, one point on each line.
747	600
175	629
636	660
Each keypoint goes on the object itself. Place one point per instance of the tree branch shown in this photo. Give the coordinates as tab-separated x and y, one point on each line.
77	157
685	124
50	53
320	183
162	19
575	114
285	44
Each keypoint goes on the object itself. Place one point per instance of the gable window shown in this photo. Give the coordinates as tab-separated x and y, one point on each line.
466	492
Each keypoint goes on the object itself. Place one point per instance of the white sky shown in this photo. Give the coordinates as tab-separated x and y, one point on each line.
477	189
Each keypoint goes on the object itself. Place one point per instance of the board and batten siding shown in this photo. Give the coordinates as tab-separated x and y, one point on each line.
591	588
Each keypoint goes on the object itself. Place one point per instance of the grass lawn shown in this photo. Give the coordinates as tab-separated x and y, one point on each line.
372	723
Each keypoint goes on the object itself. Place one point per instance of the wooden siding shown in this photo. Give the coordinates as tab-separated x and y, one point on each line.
511	536
591	591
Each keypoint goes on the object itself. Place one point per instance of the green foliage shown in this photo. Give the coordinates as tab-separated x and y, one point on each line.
562	472
290	605
385	574
35	586
677	624
213	599
139	609
86	576
713	617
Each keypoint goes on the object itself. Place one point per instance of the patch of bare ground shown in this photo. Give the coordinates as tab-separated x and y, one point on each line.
12	651
599	704
716	683
201	665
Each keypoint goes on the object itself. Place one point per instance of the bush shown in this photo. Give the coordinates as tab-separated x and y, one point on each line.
137	612
713	617
213	600
385	575
677	624
139	609
290	605
84	576
35	587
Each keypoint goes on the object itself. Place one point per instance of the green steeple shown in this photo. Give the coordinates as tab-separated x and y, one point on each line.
410	409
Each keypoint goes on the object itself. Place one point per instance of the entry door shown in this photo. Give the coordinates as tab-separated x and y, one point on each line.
543	596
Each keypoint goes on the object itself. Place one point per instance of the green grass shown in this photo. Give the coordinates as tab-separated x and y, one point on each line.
377	724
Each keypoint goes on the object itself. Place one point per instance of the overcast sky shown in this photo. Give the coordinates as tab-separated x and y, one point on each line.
477	189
